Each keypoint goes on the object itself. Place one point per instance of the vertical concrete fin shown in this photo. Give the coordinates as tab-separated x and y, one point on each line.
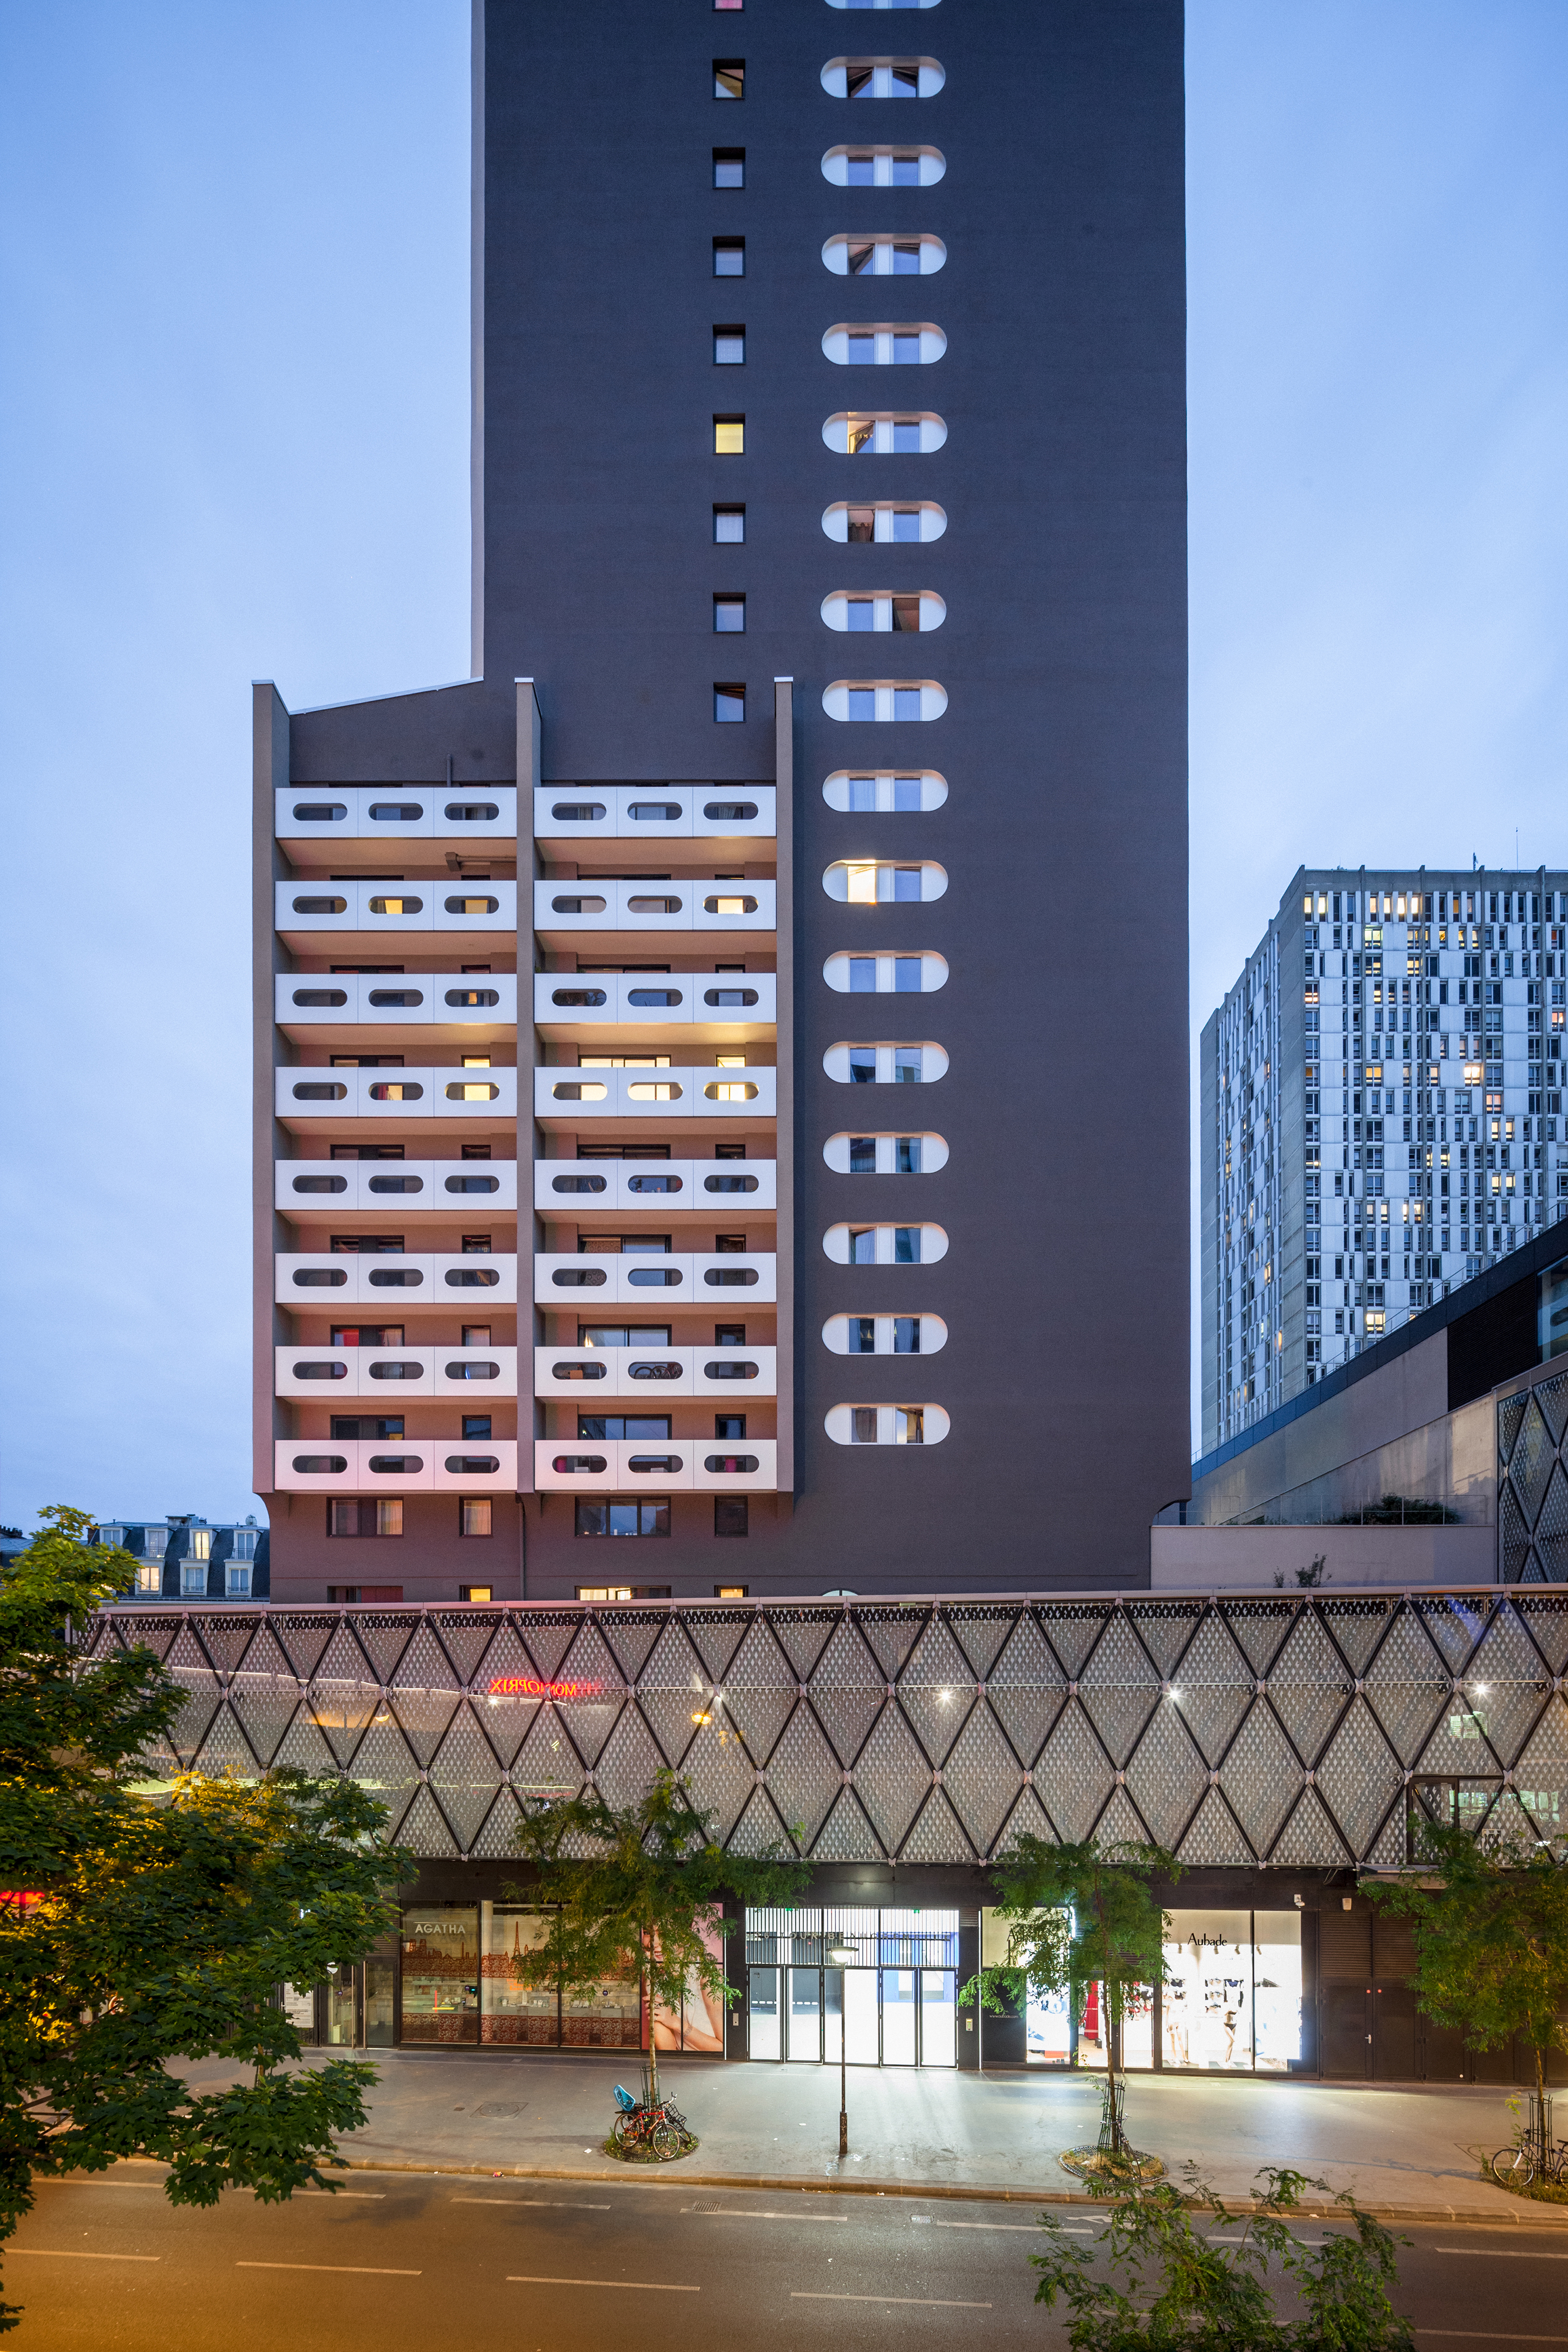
784	777
269	775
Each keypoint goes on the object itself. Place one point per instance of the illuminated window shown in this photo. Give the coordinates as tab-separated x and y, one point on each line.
729	436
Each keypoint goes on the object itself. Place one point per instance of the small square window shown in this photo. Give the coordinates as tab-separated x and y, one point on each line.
862	701
728	1591
862	526
729	167
729	703
728	615
906	793
906	435
728	77
476	1592
861	611
729	346
728	256
729	1335
736	5
906	702
729	1424
906	519
474	1515
729	436
906	172
731	1517
729	526
476	1425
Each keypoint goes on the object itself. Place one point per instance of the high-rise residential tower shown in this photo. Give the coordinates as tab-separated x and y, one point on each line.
721	1088
1382	1116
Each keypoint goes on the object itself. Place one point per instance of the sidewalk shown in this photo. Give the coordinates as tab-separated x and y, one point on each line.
1405	2152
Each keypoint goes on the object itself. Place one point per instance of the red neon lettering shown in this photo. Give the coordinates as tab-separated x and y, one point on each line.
530	1686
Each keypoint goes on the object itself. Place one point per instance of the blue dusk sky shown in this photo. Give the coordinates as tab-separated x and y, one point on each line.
234	408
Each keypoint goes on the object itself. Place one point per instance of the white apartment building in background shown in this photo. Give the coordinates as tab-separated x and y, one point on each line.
1381	1117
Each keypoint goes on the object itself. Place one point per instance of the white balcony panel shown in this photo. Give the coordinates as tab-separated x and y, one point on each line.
325	1374
433	1455
576	1377
566	1098
400	1186
306	1092
565	1188
445	1280
298	996
636	904
579	1458
641	812
563	1000
653	1282
381	812
308	905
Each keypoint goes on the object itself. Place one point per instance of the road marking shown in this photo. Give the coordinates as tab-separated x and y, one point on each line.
47	2181
931	2302
554	2204
353	2270
1068	2228
71	2254
644	2286
366	2196
761	2213
1475	2336
1501	2253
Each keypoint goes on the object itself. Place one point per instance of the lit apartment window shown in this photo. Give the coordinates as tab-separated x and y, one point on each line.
729	703
201	1543
729	167
884	257
729	346
728	256
729	526
729	436
887	1424
149	1576
364	1517
475	1593
644	1514
474	1513
728	77
728	615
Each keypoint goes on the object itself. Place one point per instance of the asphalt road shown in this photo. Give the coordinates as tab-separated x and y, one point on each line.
401	2262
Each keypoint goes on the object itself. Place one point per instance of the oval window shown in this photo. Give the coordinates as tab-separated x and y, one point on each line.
577	1184
654	1090
655	1184
472	1090
578	1371
406	1369
320	1277
578	812
727	906
644	906
320	1183
472	906
729	811
469	1184
655	996
321	1464
723	1368
472	996
580	1090
731	1277
320	812
566	1464
402	1277
473	1465
465	1369
654	811
729	1183
320	906
396	1090
727	996
395	1466
655	1278
321	996
645	1372
469	1278
471	812
579	1277
397	1183
579	996
658	1466
577	906
731	1462
729	1090
395	906
399	996
395	812
322	1371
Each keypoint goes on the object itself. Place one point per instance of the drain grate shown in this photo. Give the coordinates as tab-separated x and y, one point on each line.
708	2207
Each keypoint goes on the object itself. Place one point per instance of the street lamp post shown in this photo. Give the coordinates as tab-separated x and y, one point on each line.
842	1955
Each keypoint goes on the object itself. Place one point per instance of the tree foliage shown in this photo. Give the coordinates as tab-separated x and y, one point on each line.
157	1926
1175	2287
638	1890
1077	1915
1490	1931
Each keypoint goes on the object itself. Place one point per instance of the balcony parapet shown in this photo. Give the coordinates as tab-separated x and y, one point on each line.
741	1005
440	1282
386	814
580	1189
315	908
566	1097
399	1188
584	1377
658	814
747	1465
657	1282
395	1466
447	999
305	1092
320	1375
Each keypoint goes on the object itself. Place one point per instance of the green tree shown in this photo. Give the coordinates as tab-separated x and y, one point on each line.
143	1928
1079	1915
1177	2288
639	1889
1490	1931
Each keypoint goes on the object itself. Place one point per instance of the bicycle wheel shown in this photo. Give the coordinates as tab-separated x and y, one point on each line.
1513	2167
667	2140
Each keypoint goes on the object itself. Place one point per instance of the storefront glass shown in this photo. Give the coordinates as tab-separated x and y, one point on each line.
380	2013
513	2011
898	2007
1232	1997
609	2016
343	2009
441	1973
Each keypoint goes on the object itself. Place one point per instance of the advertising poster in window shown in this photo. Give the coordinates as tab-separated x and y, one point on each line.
698	2027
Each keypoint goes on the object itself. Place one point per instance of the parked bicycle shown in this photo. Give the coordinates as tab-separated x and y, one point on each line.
660	2127
1534	2155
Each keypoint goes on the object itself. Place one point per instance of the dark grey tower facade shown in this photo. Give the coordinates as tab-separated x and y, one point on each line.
725	468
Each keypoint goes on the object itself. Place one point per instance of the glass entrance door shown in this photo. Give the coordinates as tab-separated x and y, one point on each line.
762	2013
805	2015
899	2016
